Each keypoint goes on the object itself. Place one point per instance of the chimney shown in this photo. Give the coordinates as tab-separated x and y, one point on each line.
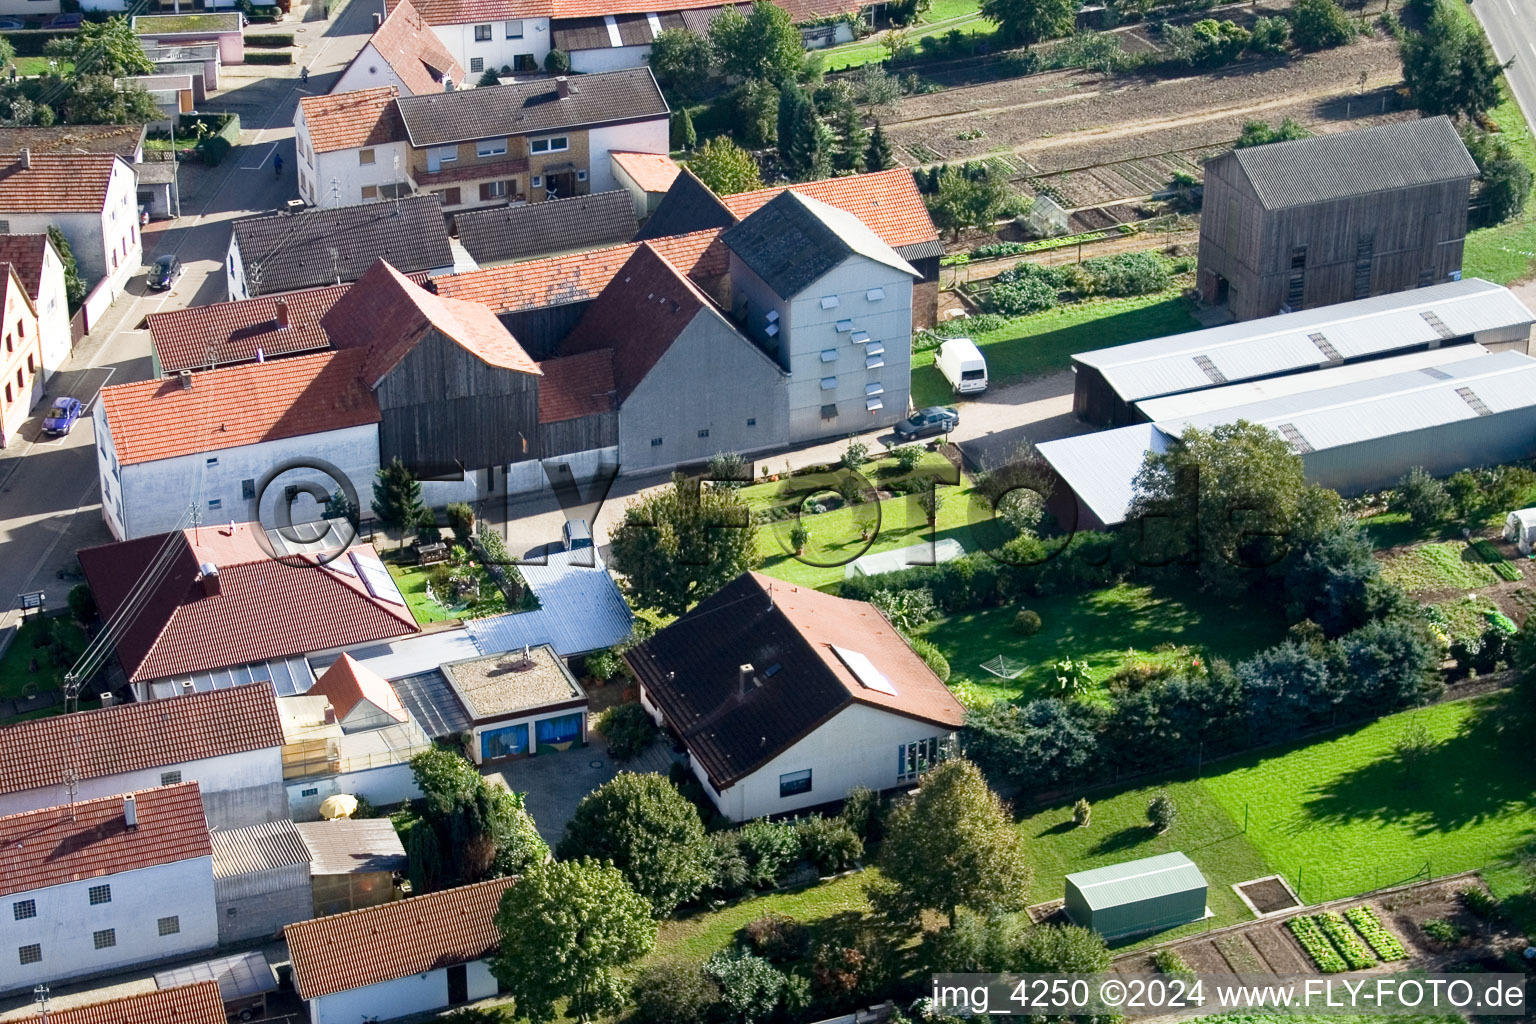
744	679
210	578
330	715
447	85
186	379
378	19
107	700
282	314
562	89
130	812
26	155
186	688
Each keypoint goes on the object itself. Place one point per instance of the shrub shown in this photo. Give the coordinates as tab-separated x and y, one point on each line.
778	938
770	850
854	456
1269	36
263	57
1026	622
1019	298
628	729
750	987
1319	24
1421	496
907	610
82	605
729	469
270	40
932	657
907	457
1170	962
674	994
1162	812
1442	931
603	665
829	843
862	811
461	517
557	62
730	876
492	544
1082	812
799	537
1127	273
1481	902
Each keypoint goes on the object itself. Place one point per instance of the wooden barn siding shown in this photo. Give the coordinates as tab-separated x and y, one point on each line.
541	330
579	435
443	407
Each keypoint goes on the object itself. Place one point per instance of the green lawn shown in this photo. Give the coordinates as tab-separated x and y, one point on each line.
942	17
29	67
1343	816
1438	567
1118	832
1106	628
412	581
16	677
692	939
881	470
1043	343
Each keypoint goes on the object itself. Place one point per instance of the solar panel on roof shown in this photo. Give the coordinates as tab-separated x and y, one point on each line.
377	578
864	670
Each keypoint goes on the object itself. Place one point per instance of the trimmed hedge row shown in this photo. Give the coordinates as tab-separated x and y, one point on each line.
33	42
269	57
270	40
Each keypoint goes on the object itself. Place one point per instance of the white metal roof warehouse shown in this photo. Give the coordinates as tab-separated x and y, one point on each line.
1357	436
1110	379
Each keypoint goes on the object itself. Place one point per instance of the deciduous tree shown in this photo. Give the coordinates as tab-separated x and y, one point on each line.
1026	22
682	61
761	45
481	828
725	167
1320	24
102	48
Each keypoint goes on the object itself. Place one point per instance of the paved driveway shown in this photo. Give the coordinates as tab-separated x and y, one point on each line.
555	783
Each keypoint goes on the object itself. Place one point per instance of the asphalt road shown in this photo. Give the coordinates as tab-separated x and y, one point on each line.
49	497
1511	27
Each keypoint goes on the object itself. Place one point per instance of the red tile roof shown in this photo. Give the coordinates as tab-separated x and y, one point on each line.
576	386
264	609
138	737
461	12
414	51
886	201
637	317
346	684
579	276
53	846
233	332
395	940
237	405
197	1003
346	120
56	183
26	254
653	172
386	315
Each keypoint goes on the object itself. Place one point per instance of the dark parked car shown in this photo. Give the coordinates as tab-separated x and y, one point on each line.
65	21
927	422
62	416
12	24
164	273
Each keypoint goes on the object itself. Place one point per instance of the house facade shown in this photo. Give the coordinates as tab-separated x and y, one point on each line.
351	147
260	880
90	197
21	362
105	884
227	741
410	956
519	704
1348	215
41	272
405	53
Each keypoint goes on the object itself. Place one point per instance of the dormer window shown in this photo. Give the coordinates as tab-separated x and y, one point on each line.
829	302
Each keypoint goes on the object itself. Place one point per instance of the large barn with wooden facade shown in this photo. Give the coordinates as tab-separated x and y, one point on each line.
1295	225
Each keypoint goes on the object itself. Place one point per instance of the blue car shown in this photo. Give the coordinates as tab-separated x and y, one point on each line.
62	416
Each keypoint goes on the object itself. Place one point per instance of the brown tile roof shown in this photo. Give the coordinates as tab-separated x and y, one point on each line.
25	253
886	201
638	317
395	940
690	670
347	120
50	846
653	172
414	51
579	276
576	386
265	608
385	315
502	233
460	12
197	1003
122	139
138	737
346	684
237	405
56	183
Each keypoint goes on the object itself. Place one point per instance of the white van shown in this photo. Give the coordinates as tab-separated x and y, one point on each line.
960	361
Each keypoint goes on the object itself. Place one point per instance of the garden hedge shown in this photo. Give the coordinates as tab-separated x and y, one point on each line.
269	57
270	40
33	42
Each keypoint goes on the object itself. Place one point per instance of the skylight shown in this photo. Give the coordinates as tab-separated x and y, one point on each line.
864	670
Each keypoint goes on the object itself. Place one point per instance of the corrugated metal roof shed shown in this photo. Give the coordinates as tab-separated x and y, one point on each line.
1101	468
1136	880
580	609
263	847
344	846
1393	404
1194	403
239	976
1307	339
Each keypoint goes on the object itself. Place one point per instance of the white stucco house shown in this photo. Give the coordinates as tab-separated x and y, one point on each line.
91	197
787	698
488	34
105	884
227	741
351	147
403	52
411	956
41	271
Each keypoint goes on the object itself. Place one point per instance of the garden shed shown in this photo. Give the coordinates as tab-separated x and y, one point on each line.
1138	896
1520	529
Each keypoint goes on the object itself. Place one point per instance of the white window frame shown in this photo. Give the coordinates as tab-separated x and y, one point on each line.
548	145
489	147
830	302
915	758
829	383
511	32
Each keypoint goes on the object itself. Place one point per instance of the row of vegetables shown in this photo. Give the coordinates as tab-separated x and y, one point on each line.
1335	943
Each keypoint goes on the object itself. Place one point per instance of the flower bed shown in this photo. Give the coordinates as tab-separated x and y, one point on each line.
1316	944
1369	926
1346	941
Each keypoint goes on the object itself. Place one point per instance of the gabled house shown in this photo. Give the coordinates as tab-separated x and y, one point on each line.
832	304
124	140
351	147
224	608
787	697
284	252
89	196
645	176
22	375
408	957
359	698
512	234
41	271
403	52
227	741
199	1002
99	885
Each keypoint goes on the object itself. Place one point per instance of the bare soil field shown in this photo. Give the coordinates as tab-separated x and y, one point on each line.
1098	138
